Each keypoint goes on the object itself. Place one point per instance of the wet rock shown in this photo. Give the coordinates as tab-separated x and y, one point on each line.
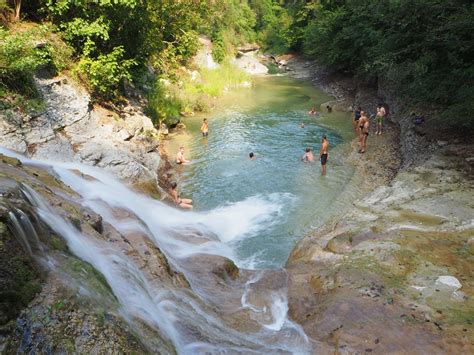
94	219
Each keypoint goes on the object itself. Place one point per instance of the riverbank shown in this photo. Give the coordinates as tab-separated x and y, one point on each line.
391	274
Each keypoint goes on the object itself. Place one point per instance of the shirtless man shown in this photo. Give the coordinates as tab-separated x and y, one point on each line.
313	111
205	128
323	153
180	157
360	126
365	135
379	118
180	202
356	120
308	155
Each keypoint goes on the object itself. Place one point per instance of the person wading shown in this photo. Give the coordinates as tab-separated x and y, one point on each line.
205	128
324	155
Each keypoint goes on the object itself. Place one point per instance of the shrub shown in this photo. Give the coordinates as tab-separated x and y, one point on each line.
104	74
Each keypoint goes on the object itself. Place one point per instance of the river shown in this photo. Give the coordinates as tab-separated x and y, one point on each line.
251	212
290	197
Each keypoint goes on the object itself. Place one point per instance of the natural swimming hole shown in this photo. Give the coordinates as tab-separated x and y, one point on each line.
262	207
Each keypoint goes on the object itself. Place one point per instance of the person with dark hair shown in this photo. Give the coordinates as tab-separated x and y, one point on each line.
356	120
313	111
379	118
308	156
252	156
329	108
180	202
324	155
205	128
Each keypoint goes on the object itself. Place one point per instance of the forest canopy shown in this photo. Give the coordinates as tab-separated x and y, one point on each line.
420	49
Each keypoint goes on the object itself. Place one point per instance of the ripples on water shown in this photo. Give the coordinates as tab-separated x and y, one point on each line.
291	195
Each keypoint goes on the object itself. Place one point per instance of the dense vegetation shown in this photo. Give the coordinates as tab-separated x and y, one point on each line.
421	49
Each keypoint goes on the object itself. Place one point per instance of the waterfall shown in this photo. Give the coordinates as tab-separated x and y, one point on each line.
186	318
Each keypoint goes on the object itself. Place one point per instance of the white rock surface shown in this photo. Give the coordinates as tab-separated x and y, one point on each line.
70	130
449	281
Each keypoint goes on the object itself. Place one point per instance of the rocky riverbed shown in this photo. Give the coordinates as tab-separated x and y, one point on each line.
395	274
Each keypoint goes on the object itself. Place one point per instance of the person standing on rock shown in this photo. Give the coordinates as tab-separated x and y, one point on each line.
379	118
205	128
324	155
180	157
362	136
364	125
356	120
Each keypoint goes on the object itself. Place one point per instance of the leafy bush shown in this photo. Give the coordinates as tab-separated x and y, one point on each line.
105	73
24	51
218	48
164	104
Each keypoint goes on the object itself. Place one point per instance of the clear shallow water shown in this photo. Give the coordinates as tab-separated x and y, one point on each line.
291	196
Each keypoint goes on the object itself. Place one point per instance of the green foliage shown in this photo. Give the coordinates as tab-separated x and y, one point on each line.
218	48
215	82
423	49
104	73
22	52
164	103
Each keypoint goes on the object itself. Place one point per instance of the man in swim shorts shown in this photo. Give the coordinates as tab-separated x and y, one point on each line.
356	120
364	135
324	154
205	128
379	118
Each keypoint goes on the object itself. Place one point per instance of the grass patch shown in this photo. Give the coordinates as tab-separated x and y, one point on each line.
168	100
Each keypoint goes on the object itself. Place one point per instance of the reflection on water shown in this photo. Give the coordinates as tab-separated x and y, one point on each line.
266	120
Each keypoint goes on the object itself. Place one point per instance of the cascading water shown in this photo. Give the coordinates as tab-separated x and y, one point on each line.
191	322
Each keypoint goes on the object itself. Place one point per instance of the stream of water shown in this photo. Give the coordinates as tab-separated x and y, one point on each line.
290	196
248	211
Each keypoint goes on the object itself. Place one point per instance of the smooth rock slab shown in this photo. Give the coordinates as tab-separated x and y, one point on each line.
449	281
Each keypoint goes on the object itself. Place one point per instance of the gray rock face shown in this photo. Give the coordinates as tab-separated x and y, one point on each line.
70	129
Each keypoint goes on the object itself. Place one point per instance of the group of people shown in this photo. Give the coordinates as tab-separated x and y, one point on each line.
362	125
181	160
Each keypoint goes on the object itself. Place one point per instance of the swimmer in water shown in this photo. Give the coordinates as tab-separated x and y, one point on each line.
308	156
180	157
